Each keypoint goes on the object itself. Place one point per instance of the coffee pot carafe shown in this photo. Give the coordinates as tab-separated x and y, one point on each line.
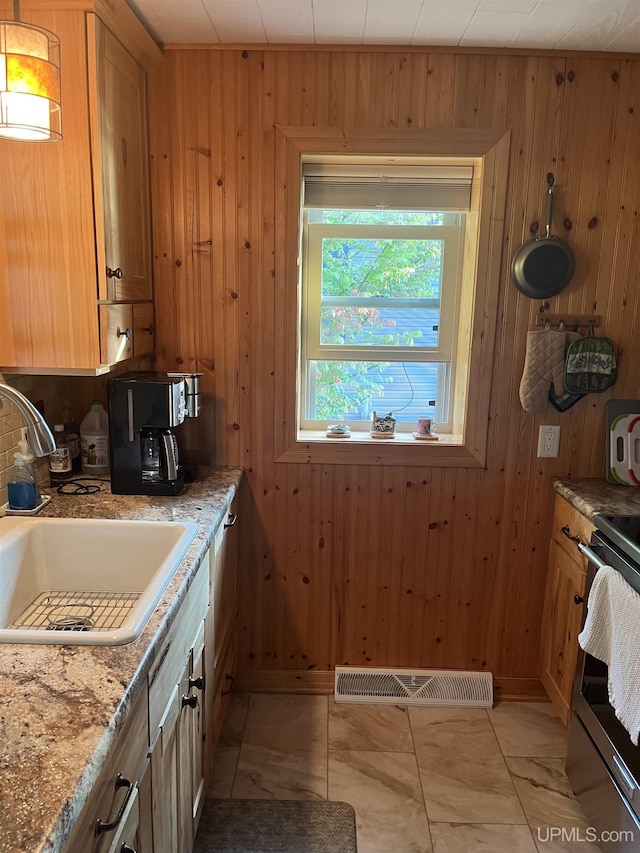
159	454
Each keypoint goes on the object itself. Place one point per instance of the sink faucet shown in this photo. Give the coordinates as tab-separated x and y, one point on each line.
39	435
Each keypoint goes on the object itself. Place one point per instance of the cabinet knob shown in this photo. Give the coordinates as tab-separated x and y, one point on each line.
226	692
231	520
191	701
198	682
126	849
116	273
578	599
148	329
126	333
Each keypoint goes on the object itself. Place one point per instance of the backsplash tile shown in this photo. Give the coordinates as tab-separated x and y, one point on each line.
53	391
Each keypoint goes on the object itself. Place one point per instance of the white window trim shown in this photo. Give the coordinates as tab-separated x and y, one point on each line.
488	150
311	349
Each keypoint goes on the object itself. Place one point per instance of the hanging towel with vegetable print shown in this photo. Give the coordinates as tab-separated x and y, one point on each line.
590	366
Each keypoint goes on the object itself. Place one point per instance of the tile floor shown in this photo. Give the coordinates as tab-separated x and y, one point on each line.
421	780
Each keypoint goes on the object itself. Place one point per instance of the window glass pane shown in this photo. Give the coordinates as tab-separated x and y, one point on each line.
353	390
392	327
365	272
403	268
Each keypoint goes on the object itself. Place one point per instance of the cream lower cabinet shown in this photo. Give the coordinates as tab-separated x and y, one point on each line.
150	793
220	661
176	724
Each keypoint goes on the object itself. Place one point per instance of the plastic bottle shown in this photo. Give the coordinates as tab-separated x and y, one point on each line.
73	431
27	455
22	487
94	440
60	465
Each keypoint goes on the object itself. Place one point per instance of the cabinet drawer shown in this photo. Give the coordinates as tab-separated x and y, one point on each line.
116	333
169	665
143	328
574	524
127	759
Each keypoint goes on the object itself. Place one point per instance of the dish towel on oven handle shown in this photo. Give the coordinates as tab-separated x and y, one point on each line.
612	634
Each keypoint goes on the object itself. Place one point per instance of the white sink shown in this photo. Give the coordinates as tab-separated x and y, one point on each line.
90	582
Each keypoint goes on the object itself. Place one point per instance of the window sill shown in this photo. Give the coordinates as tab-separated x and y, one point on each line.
360	449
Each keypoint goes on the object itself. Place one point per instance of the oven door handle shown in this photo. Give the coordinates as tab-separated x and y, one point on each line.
623	777
590	554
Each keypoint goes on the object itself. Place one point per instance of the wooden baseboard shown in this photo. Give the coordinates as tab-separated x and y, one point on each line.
519	690
310	681
285	681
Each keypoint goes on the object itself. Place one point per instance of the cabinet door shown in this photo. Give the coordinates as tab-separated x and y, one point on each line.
198	731
144	842
191	746
164	778
124	172
561	622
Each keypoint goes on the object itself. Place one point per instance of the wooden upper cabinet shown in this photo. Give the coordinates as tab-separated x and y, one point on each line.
70	209
123	141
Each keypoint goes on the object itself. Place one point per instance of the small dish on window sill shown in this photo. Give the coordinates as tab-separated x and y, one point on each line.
419	437
375	434
338	431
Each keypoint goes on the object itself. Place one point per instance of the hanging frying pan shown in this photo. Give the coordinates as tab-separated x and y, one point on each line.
543	265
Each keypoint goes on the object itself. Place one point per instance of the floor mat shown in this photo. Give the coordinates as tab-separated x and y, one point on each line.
276	826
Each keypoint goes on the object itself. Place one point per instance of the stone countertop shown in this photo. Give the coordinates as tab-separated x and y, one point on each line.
592	496
62	706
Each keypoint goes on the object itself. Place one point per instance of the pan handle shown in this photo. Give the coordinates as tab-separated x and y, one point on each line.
549	204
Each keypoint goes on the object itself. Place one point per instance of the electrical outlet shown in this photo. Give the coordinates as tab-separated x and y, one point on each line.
548	441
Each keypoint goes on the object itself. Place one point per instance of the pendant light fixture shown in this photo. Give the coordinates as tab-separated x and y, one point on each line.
29	81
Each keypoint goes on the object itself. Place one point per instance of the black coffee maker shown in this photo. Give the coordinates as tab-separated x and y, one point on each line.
144	409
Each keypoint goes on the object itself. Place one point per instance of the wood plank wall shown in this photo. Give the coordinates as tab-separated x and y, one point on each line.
387	566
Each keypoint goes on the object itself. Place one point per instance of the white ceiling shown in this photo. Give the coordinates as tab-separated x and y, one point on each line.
612	25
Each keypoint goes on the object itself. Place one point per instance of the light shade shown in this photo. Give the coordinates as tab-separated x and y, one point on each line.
29	83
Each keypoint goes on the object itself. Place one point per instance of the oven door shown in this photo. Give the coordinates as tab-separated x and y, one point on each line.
603	764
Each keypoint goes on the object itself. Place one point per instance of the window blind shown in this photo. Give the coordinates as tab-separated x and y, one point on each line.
330	186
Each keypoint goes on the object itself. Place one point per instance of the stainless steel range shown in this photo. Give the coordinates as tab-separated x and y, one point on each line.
603	764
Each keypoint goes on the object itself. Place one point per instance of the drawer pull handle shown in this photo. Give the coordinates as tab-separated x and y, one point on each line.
116	273
226	692
191	701
231	520
198	682
126	849
568	534
578	599
121	782
148	329
126	333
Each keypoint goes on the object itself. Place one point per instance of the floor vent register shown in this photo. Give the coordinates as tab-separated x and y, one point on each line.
454	688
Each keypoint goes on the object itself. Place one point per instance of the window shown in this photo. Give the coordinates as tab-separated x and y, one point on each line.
382	269
310	336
